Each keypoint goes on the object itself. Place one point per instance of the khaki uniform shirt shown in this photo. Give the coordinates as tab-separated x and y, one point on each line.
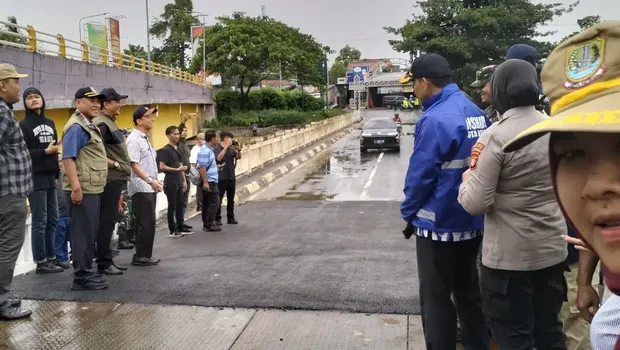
523	223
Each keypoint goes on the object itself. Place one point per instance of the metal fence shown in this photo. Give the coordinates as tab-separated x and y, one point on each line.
69	49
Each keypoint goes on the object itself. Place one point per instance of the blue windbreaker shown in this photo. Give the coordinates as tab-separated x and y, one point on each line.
444	137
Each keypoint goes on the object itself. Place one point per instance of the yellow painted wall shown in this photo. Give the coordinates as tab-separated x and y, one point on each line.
167	115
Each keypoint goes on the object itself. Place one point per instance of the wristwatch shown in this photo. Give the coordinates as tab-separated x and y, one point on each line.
117	165
149	181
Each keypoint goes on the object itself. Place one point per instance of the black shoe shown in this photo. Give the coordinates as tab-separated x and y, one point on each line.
132	240
186	231
212	228
218	223
232	221
110	271
141	261
48	267
187	227
175	235
64	264
124	245
14	302
8	312
94	282
120	267
114	252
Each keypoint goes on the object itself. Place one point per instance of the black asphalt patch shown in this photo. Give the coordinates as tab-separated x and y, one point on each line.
313	255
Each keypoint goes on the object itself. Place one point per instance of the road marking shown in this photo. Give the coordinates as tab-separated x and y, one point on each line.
372	175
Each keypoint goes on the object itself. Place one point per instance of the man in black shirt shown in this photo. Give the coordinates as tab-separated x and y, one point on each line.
227	153
174	182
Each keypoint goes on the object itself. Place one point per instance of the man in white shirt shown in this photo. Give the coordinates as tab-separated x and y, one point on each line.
193	159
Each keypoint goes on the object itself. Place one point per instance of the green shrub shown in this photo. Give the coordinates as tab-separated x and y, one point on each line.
272	99
271	118
227	101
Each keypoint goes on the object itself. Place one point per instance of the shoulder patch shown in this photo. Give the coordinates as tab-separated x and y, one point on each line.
475	153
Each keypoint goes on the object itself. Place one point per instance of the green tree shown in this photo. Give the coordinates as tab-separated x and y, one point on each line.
12	29
345	56
174	28
136	51
474	33
246	50
584	23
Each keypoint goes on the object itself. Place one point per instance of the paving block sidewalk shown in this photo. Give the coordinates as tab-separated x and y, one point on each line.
69	325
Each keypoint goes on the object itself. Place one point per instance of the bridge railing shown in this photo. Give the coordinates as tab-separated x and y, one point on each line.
70	49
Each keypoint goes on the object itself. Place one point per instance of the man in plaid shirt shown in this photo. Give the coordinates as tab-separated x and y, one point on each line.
15	185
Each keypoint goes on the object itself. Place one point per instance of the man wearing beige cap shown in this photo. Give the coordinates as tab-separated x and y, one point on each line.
15	185
582	81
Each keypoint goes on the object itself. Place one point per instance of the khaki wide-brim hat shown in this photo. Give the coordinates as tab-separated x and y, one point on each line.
581	78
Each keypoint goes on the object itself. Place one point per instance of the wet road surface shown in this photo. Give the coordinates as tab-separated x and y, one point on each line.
343	173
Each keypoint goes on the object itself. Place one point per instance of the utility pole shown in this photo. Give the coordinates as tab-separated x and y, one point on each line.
148	46
326	77
280	81
148	36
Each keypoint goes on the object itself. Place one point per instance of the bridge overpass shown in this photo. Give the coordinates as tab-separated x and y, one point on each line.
58	67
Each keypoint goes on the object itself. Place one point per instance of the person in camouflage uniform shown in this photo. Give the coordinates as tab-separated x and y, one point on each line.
125	223
483	86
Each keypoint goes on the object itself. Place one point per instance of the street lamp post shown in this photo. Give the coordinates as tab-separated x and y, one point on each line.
148	42
83	18
204	43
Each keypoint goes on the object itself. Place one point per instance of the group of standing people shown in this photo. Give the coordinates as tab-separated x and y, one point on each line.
74	196
96	165
492	198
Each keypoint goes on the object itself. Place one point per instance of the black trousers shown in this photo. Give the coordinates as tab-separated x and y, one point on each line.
143	206
198	198
108	217
523	307
175	195
186	194
84	222
210	203
228	188
444	269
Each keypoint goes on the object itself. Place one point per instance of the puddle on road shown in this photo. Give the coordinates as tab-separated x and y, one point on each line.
322	182
306	196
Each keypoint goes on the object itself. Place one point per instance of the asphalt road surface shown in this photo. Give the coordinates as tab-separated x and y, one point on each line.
326	237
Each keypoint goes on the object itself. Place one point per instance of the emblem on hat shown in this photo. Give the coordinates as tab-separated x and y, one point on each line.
584	63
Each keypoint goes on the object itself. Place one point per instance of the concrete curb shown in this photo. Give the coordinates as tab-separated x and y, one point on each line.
267	179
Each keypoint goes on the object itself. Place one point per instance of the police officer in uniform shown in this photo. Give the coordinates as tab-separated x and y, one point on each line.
86	171
483	86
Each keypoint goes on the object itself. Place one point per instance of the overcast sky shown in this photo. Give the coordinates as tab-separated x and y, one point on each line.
335	23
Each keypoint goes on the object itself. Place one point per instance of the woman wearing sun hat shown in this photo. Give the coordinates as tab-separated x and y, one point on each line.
582	80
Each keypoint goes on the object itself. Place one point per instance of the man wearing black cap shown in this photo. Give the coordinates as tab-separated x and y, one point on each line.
119	170
86	171
447	237
143	184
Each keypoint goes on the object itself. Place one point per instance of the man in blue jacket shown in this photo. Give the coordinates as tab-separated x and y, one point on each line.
447	237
